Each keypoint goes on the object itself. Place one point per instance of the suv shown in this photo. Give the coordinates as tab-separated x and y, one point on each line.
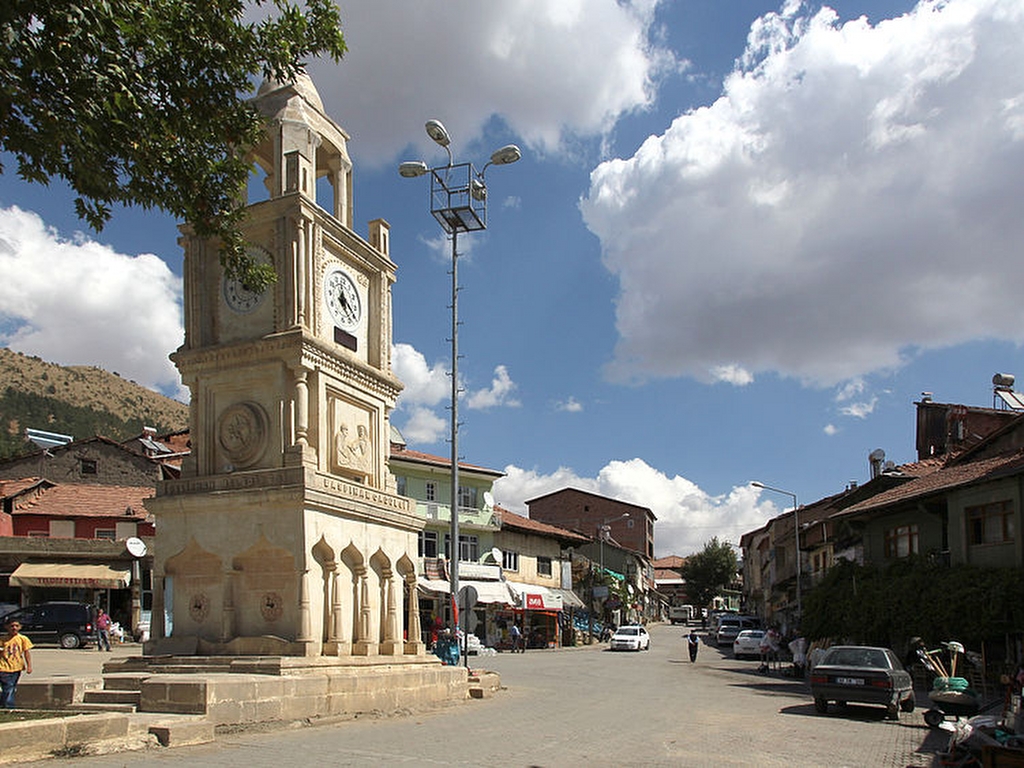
70	624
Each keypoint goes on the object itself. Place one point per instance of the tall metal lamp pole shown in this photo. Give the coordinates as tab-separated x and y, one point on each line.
796	533
458	200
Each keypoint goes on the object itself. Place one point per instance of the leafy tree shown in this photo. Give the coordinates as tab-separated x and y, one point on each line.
143	102
708	571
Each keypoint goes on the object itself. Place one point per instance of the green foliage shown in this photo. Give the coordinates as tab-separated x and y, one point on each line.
142	102
708	571
915	597
35	411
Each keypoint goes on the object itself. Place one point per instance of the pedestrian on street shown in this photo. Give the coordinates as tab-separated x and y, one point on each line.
15	658
102	631
798	647
517	638
693	643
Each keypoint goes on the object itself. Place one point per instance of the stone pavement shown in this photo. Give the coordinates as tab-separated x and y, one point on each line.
590	706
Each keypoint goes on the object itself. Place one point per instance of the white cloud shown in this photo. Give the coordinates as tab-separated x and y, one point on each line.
687	517
860	410
77	302
831	430
850	390
572	405
551	71
850	185
425	385
732	374
424	427
500	393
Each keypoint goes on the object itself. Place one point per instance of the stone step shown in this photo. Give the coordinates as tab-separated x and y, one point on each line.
102	707
124	681
113	697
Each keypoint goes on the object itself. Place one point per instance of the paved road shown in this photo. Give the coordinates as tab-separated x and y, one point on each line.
594	707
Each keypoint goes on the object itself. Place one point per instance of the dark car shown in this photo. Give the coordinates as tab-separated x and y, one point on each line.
864	675
70	624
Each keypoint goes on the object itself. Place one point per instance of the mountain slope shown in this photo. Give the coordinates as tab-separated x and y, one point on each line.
81	401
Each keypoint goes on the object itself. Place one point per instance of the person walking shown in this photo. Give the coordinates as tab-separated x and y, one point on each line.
15	658
693	644
517	638
102	631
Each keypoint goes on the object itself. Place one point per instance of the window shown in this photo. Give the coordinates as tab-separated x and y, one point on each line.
543	566
469	547
428	544
901	541
431	490
467	497
104	533
87	466
510	560
990	523
400	484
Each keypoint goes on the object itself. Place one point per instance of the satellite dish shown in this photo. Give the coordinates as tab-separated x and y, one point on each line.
488	498
496	554
136	547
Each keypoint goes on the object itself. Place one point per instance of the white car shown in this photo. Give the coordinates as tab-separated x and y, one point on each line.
748	643
631	638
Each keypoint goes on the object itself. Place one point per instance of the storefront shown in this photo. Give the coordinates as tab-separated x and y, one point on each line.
538	609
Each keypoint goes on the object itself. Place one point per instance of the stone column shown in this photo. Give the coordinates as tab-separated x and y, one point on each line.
305	635
363	644
227	619
413	645
391	645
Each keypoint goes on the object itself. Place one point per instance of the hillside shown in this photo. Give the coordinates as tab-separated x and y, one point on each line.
81	401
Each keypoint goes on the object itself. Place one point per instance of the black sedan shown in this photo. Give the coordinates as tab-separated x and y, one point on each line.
864	675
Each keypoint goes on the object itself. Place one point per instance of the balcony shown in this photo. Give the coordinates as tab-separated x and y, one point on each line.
468	516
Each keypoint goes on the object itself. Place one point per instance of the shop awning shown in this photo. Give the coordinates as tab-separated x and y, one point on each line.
69	575
533	597
486	591
569	598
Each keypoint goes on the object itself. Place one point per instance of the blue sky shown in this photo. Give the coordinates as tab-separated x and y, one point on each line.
744	237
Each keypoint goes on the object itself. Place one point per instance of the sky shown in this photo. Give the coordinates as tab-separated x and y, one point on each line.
743	239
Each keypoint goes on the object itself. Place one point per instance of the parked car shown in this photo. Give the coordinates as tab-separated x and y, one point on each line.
631	637
865	675
729	628
748	644
70	624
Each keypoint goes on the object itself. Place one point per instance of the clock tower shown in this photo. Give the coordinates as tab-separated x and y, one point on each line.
285	533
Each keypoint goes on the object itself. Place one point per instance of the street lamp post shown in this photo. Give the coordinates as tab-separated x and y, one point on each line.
602	532
458	200
796	534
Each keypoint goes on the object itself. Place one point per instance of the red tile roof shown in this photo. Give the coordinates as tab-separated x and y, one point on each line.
418	457
87	500
944	479
518	522
672	562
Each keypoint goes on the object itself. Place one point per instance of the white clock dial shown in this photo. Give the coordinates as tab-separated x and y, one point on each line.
237	295
342	299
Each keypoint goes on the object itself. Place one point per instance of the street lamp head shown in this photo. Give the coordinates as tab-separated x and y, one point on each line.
412	168
478	190
438	133
508	154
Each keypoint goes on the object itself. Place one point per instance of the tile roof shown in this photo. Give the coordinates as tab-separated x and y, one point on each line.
87	500
670	562
9	488
952	475
418	457
518	522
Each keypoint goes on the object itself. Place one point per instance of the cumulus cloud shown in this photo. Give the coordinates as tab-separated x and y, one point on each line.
73	301
852	183
500	393
687	517
425	385
551	71
860	410
831	430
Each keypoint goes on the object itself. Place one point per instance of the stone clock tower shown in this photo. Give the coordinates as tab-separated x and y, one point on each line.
285	534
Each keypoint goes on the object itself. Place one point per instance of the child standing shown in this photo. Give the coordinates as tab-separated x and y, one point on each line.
15	657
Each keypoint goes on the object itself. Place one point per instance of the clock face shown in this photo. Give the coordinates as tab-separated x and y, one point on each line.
237	295
342	299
